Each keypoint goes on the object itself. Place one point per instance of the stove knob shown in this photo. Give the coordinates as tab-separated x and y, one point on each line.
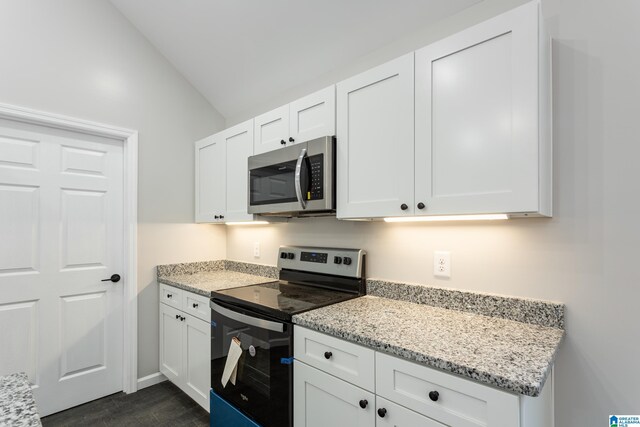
291	255
346	260
337	260
283	255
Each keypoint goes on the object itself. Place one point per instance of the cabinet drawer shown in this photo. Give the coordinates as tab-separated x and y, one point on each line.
460	402
171	296
345	360
196	305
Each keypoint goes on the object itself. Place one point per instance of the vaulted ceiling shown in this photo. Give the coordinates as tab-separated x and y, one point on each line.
240	53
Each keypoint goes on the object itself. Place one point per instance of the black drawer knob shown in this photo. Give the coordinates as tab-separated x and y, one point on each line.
434	395
382	412
363	403
327	355
283	142
195	305
177	316
421	205
404	207
183	318
169	295
291	139
221	216
216	217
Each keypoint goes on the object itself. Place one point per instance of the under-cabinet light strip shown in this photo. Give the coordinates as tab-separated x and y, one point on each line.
247	223
484	217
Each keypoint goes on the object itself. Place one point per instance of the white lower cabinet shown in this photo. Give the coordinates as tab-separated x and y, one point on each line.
185	347
400	394
321	400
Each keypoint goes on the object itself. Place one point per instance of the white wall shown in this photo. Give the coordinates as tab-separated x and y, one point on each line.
83	59
585	256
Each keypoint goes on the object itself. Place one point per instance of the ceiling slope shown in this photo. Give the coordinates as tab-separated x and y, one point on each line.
244	52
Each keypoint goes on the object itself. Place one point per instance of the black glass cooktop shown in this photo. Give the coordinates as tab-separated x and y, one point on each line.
281	299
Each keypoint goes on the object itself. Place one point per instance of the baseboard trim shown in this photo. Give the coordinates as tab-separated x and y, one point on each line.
150	380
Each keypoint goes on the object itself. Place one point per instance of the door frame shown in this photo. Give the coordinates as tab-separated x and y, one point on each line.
129	139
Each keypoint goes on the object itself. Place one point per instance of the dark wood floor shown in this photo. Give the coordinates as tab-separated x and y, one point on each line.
163	404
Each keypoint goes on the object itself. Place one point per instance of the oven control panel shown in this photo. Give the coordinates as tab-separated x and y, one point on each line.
335	261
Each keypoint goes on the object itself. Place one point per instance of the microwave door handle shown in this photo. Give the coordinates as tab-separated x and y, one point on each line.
303	154
248	320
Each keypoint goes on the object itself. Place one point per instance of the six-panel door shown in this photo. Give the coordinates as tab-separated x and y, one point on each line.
375	142
61	234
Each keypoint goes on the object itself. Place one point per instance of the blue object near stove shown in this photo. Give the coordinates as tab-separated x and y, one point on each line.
225	415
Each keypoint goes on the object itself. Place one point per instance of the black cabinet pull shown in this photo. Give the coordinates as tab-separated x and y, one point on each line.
363	403
182	318
115	278
382	412
169	295
216	217
327	355
291	139
195	305
434	395
221	216
421	205
177	316
404	207
283	142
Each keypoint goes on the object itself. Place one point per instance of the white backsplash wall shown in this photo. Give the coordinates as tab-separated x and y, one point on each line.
585	256
84	59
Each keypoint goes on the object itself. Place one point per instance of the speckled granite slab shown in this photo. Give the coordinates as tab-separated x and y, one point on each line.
208	276
511	355
205	282
17	406
536	312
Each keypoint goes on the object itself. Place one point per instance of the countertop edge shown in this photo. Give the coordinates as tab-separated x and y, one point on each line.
509	385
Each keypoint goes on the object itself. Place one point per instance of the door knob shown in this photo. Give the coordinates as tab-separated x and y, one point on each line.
363	403
404	207
291	139
421	205
114	278
283	142
382	412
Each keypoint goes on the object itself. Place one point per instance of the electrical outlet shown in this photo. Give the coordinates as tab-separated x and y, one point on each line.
442	264
256	249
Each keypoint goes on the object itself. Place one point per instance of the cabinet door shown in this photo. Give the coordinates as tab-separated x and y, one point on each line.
171	343
313	116
375	142
239	146
197	359
477	118
210	179
271	130
399	416
321	400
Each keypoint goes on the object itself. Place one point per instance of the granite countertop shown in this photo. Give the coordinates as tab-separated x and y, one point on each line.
17	406
206	282
508	354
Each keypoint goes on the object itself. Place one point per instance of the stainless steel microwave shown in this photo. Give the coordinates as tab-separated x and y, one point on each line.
294	181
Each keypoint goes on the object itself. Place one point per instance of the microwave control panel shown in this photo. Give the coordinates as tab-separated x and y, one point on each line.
317	178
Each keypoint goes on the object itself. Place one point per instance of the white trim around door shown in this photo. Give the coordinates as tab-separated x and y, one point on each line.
130	143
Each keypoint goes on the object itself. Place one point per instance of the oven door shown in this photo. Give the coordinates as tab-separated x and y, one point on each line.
264	379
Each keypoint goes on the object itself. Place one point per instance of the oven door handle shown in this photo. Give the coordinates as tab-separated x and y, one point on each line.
303	154
249	320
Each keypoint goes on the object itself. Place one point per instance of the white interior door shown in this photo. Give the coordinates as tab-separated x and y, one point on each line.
61	222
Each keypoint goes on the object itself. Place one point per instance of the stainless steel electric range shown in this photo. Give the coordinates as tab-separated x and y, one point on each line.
258	319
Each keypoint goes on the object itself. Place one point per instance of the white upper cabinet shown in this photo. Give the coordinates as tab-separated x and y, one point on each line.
375	140
222	173
313	116
482	119
271	130
307	118
210	179
239	146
